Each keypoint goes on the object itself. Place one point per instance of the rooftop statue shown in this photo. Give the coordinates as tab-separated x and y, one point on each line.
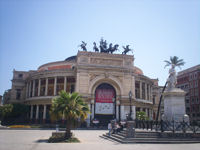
83	46
103	46
114	48
95	47
110	48
126	49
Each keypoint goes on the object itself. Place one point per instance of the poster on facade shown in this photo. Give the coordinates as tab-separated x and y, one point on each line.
104	104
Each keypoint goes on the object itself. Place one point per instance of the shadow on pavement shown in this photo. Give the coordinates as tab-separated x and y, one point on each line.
42	141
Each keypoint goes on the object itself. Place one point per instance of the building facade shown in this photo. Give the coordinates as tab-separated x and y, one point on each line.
104	81
189	81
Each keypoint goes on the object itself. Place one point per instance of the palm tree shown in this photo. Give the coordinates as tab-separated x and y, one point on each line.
175	61
69	106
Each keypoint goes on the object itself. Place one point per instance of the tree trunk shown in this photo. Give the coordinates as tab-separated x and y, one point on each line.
68	133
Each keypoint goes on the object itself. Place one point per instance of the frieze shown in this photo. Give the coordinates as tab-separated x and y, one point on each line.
94	54
109	62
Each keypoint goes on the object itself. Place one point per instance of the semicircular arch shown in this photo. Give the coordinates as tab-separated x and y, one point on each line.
110	80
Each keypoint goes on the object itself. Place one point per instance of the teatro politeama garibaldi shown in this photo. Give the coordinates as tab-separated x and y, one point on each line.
104	81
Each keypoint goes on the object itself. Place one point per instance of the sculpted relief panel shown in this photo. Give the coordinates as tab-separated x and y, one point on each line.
109	62
83	60
128	63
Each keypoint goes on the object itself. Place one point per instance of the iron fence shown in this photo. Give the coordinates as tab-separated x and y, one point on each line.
169	126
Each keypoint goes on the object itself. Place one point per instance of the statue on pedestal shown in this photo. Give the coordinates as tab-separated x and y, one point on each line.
172	80
174	98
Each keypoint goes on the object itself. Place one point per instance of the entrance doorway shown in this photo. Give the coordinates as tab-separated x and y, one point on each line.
105	103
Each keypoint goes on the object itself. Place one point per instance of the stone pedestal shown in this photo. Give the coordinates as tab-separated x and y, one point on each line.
174	105
130	130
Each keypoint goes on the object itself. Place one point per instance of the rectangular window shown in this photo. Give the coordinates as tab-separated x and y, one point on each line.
143	90
188	109
20	75
154	99
137	89
18	94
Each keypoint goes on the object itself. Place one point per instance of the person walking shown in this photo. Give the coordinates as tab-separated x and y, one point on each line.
109	128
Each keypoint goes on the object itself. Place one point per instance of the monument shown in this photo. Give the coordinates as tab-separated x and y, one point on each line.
174	99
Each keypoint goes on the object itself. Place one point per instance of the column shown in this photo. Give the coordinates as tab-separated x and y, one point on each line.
46	87
55	85
146	111
123	115
88	117
92	102
117	109
140	90
39	84
150	114
33	91
29	91
151	93
26	90
31	116
145	91
37	112
77	82
133	115
44	113
65	83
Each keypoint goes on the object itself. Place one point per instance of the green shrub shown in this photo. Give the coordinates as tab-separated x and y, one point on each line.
54	139
141	115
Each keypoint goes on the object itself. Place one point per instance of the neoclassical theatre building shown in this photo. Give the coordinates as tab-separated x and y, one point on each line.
104	81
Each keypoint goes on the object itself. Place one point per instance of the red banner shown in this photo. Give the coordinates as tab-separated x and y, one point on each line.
104	95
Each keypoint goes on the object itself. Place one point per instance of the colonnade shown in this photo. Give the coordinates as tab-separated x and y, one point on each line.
37	111
33	90
144	91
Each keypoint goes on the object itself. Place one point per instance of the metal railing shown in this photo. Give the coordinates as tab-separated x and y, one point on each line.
169	126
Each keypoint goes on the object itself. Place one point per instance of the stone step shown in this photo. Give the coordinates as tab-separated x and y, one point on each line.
141	134
151	140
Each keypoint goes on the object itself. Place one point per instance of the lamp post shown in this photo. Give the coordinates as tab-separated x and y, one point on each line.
130	99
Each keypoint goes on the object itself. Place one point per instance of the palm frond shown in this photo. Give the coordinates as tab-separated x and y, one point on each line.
174	61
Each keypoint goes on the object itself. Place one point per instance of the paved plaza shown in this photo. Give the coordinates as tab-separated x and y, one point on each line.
90	140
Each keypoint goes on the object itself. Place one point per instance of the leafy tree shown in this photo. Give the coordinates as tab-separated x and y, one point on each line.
71	107
141	115
5	110
174	61
19	110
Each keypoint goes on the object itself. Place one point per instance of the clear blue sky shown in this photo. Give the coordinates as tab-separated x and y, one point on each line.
36	32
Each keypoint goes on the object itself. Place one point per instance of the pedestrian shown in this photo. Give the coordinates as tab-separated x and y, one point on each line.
109	128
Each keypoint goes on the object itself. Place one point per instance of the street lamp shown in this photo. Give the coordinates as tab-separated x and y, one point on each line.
130	99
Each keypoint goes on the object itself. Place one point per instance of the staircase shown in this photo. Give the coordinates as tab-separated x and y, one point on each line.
142	136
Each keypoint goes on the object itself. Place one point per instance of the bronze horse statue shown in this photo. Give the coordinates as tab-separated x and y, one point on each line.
113	49
83	46
95	47
126	49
